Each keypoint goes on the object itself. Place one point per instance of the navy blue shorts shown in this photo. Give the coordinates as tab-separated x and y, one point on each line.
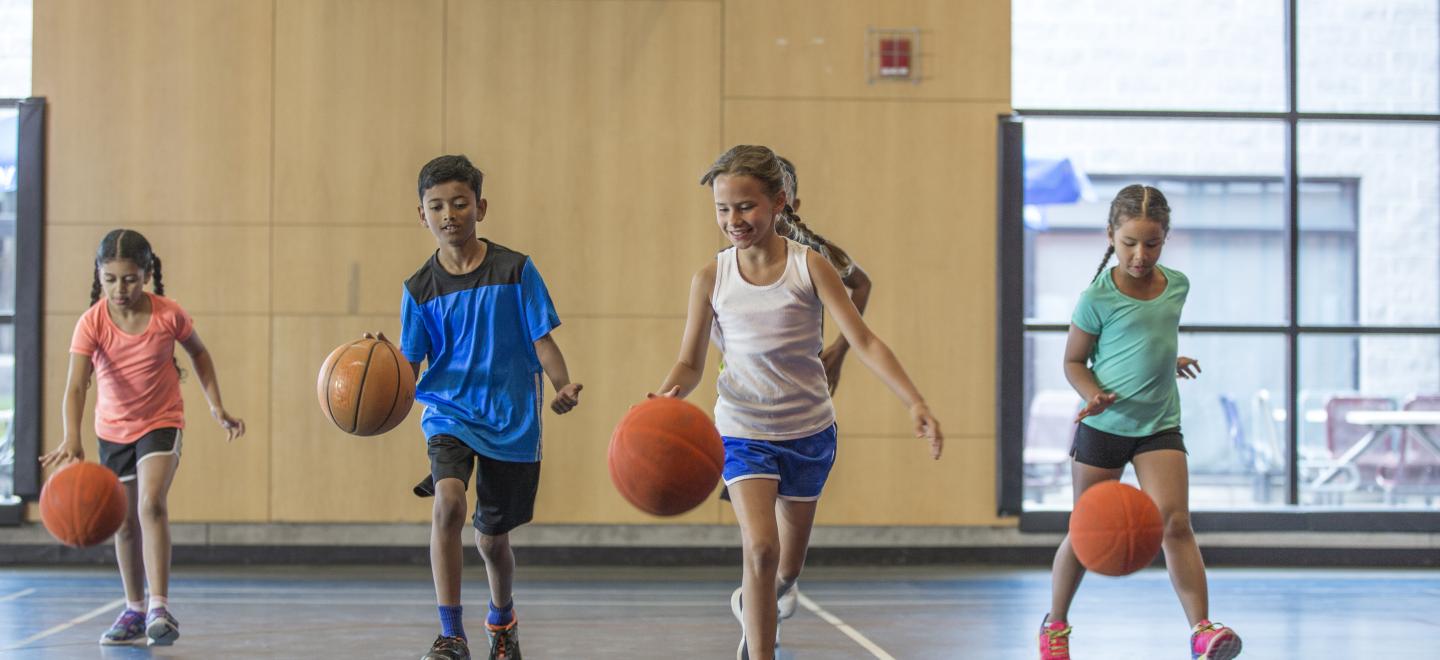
801	466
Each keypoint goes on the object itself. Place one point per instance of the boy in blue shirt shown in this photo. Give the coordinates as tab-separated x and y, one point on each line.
480	315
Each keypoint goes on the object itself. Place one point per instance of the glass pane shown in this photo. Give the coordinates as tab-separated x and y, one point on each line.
1224	183
1370	221
7	414
1234	434
1138	54
1363	439
9	132
1367	56
15	29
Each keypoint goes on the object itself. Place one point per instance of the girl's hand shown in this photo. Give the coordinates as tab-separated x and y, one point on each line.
832	357
567	398
1096	405
63	455
234	426
926	426
1184	367
672	393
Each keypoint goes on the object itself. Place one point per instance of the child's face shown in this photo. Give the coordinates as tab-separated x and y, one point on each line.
450	211
122	282
1138	242
744	211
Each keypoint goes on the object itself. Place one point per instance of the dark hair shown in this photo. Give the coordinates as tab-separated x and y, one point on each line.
771	171
791	226
445	169
126	244
1133	202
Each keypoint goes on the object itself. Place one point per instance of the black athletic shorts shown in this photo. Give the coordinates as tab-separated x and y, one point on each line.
123	458
504	490
1107	450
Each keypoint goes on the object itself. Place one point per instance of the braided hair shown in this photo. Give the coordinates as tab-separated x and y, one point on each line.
792	227
1132	202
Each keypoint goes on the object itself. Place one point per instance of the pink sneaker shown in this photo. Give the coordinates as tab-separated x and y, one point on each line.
1054	640
1213	641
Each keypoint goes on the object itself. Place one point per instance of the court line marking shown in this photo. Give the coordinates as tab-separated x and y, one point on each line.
19	594
852	633
107	607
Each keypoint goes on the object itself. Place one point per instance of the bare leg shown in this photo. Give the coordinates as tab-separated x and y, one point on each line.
499	565
754	502
1165	477
128	547
446	519
795	519
1066	572
156	472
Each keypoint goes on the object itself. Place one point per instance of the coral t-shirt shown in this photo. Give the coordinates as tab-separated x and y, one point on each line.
137	385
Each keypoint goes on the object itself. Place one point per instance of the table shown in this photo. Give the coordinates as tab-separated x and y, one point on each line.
1383	421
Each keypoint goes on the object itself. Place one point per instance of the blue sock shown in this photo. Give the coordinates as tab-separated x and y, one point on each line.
452	624
500	616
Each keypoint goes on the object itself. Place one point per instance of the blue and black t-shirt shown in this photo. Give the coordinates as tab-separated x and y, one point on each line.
477	331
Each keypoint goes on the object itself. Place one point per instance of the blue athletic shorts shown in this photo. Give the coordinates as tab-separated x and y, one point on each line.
801	466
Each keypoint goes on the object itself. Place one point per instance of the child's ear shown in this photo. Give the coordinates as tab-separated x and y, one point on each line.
480	207
420	210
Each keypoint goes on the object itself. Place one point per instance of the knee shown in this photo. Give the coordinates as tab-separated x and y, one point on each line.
492	547
448	513
152	508
1177	527
762	554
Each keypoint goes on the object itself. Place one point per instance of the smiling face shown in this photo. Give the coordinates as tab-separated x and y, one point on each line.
744	210
1138	242
450	211
122	282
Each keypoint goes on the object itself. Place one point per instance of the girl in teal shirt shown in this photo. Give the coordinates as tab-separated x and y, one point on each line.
1121	356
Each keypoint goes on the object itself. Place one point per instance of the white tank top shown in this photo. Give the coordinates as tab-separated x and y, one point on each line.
772	385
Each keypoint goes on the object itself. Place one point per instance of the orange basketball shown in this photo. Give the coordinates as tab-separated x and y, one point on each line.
366	387
665	456
83	504
1115	529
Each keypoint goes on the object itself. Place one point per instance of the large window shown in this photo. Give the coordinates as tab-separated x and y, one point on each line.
1299	145
15	31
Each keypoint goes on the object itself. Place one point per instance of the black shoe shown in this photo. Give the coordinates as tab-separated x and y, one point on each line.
504	641
426	487
448	648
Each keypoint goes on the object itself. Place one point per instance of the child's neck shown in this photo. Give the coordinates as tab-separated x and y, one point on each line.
771	250
135	311
1141	288
463	258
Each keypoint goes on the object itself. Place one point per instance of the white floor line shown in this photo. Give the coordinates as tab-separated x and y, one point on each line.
19	594
852	633
107	607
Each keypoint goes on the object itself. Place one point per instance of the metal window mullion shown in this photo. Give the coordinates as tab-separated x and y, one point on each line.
1292	254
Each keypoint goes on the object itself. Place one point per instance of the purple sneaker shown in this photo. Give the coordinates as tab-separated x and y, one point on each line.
161	628
129	628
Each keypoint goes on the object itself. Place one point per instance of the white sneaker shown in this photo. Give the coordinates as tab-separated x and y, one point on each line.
787	601
737	608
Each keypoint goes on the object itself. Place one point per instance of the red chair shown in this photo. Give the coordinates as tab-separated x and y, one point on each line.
1420	463
1378	464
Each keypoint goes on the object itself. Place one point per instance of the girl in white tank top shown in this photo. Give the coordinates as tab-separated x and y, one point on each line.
762	301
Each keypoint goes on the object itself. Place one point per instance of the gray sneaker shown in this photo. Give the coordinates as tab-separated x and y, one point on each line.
448	648
161	627
129	628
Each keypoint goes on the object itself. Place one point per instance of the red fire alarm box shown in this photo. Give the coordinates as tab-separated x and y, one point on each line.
895	58
892	55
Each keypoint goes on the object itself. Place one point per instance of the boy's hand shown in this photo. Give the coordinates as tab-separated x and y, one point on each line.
926	426
234	426
833	357
1096	405
567	398
377	336
1186	367
65	454
672	393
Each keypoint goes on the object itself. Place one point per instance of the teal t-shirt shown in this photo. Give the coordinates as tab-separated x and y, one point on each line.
1134	356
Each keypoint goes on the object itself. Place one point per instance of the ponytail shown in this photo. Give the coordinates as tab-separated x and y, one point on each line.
1103	261
155	270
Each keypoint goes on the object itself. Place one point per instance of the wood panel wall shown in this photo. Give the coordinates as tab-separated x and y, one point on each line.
269	150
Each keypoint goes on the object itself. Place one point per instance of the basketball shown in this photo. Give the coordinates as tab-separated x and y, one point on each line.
1115	529
83	504
366	387
665	456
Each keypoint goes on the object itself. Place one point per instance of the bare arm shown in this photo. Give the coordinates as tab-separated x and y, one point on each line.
77	383
1077	370
567	394
833	356
695	344
205	369
873	352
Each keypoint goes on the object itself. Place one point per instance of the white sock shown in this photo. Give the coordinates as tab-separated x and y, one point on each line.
158	602
135	605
